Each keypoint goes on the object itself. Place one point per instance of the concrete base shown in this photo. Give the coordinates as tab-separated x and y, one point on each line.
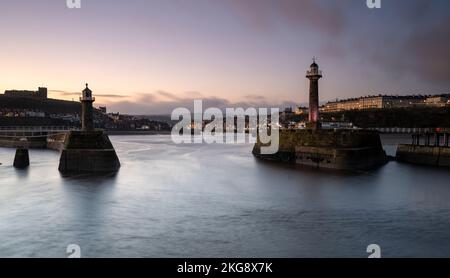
424	155
88	151
22	159
328	149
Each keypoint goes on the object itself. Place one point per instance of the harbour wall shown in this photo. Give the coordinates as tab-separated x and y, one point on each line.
424	155
87	151
31	143
342	149
52	142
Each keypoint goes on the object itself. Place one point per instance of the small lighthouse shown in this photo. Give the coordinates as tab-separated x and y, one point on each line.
314	74
88	150
87	113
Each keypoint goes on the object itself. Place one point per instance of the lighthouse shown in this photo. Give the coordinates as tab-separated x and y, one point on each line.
88	150
314	74
87	114
323	148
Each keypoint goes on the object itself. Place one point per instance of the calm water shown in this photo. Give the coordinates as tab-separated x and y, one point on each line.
218	201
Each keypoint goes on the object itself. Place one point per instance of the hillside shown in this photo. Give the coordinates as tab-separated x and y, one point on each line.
49	106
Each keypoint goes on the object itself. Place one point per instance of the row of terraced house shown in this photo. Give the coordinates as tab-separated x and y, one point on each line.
387	101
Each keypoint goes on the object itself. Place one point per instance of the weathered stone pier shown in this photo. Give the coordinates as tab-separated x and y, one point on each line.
431	149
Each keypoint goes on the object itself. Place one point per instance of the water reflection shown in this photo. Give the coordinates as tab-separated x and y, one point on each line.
21	173
218	200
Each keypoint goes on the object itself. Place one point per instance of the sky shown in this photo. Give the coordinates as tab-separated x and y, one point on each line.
151	56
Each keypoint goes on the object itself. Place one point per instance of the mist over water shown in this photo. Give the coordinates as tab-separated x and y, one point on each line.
219	201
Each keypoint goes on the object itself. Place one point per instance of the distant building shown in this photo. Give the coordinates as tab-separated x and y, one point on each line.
301	110
114	116
288	111
374	102
41	93
438	101
102	109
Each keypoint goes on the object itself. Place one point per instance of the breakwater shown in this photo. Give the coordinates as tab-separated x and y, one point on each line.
339	149
31	143
33	137
431	149
87	151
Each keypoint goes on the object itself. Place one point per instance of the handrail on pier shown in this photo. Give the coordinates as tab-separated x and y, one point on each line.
428	142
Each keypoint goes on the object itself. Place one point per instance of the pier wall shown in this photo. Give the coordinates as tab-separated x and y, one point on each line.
327	148
31	143
425	155
88	151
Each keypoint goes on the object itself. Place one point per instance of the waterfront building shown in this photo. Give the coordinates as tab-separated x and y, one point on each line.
374	102
301	110
438	100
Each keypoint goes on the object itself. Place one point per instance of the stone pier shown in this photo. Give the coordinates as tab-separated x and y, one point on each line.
88	151
328	149
426	151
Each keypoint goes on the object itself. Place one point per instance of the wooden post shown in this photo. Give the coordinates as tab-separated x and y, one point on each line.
22	159
437	139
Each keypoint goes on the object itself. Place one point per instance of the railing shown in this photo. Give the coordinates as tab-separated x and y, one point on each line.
402	130
436	139
37	128
313	72
32	128
87	98
15	132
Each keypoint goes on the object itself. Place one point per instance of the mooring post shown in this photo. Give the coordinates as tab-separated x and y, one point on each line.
22	158
437	139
